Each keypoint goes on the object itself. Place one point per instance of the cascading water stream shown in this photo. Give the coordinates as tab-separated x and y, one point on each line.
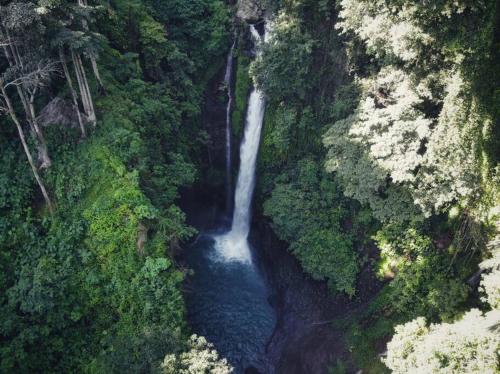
227	81
233	246
255	34
229	298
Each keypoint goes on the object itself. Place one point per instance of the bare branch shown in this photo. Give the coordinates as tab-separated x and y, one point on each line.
34	76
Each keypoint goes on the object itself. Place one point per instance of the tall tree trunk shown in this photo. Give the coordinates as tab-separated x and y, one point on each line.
92	115
13	58
83	92
43	153
13	49
73	93
26	149
95	69
84	88
8	56
36	132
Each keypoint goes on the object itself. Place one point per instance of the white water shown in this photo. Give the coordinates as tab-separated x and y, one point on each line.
227	80
234	246
255	34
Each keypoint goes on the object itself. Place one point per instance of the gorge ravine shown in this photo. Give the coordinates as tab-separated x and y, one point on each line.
228	302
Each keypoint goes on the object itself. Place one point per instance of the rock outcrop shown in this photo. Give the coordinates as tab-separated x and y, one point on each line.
250	10
59	112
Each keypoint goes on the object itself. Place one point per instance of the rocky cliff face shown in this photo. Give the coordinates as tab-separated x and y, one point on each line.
305	340
59	112
250	10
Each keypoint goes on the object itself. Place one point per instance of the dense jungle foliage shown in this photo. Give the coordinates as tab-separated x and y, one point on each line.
91	287
379	154
382	128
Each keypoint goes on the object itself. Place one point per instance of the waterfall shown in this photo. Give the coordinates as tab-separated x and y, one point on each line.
255	34
233	246
227	80
248	156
